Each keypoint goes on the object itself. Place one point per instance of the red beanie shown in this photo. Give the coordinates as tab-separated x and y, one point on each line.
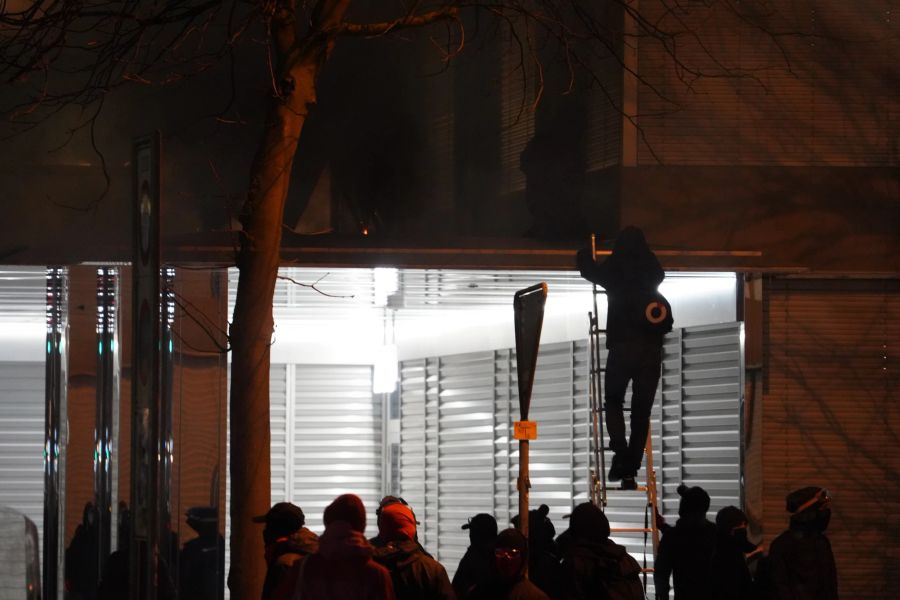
349	508
396	521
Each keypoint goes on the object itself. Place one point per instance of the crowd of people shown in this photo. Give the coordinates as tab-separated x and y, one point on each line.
697	559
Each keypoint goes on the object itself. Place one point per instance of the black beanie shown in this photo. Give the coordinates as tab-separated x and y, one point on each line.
588	522
728	518
808	498
694	501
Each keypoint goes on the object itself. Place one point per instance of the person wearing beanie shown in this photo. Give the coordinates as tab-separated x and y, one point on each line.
507	580
286	542
594	566
801	562
637	319
729	574
342	568
544	568
475	565
415	574
686	549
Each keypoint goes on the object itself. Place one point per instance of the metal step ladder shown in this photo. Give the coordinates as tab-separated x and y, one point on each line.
598	483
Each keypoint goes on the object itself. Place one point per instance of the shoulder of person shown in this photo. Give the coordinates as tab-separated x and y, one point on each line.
525	590
288	559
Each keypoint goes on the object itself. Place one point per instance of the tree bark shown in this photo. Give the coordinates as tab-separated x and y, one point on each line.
258	260
251	333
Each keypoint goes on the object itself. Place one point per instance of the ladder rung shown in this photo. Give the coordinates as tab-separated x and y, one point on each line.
631	530
640	488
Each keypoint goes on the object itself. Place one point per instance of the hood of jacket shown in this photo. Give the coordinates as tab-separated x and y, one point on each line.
302	542
631	242
602	556
399	554
341	541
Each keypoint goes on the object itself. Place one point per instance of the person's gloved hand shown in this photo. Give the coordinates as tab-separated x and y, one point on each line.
660	521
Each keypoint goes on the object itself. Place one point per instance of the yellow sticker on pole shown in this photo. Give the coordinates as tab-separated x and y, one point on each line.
525	430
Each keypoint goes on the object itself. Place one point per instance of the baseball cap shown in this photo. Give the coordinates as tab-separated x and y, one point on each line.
282	519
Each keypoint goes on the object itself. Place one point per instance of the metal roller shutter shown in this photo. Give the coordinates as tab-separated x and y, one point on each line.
280	432
336	443
22	439
831	419
465	467
710	409
412	443
23	305
456	409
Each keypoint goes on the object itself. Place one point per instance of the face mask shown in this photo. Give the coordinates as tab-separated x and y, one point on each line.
822	519
508	562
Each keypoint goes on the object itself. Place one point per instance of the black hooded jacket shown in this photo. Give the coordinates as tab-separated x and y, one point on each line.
685	552
631	270
601	569
281	557
801	565
415	575
474	568
201	568
499	589
729	574
594	566
544	568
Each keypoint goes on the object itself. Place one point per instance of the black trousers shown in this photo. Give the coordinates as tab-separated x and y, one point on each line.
639	363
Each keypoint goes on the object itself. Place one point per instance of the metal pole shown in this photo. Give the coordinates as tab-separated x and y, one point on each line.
523	484
53	401
106	396
145	404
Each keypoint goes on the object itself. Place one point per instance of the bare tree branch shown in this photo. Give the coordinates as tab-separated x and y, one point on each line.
406	22
313	287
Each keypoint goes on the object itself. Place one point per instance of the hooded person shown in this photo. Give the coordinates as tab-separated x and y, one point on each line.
801	562
686	549
730	577
378	540
638	317
507	580
594	566
286	542
342	568
544	568
415	574
82	568
201	565
475	565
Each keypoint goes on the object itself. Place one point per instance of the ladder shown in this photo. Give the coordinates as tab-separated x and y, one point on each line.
597	475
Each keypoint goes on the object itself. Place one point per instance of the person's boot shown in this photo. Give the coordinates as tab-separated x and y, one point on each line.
628	483
616	470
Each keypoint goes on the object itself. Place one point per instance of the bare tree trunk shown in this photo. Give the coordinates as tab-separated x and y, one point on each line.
258	261
251	333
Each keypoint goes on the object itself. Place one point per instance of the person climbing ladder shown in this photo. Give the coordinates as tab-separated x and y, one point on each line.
638	317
